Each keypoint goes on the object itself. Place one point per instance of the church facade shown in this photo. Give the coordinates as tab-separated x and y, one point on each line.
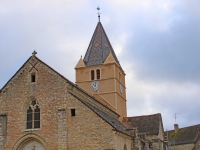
42	110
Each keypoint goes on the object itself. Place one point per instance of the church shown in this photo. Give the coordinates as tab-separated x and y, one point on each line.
43	110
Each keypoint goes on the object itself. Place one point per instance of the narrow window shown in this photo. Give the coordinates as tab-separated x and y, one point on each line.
32	77
92	74
125	148
33	115
73	112
37	117
29	118
98	73
119	76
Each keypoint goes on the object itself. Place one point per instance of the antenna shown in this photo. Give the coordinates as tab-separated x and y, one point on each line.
175	116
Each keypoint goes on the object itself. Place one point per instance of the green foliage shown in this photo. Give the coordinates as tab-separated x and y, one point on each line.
173	135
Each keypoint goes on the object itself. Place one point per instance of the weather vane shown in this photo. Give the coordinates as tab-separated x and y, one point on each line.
98	8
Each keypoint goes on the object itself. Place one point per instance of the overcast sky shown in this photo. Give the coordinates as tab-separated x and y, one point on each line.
156	41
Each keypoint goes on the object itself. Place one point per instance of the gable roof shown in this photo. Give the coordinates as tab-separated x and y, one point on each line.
148	124
99	48
116	124
184	135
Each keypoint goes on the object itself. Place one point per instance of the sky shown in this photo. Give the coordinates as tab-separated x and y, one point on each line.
156	41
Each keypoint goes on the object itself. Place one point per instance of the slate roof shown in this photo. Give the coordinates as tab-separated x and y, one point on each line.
148	124
185	135
99	48
116	124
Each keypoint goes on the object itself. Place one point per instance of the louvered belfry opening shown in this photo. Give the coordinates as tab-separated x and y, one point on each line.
98	73
92	74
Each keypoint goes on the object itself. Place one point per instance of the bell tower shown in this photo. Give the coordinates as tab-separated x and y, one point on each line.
100	74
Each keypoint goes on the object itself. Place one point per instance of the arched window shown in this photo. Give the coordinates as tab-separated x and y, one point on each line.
92	74
98	73
33	115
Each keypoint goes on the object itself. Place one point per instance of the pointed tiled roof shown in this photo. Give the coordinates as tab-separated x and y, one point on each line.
99	48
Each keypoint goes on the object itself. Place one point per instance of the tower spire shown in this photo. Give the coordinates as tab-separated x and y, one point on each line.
98	8
99	48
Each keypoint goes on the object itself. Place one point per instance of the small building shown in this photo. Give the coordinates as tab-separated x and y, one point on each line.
186	138
149	129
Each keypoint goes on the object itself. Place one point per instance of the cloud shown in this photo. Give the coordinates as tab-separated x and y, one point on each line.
168	98
157	43
165	54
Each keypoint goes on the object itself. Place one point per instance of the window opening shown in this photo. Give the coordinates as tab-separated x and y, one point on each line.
33	115
33	78
125	148
119	76
73	112
98	74
92	74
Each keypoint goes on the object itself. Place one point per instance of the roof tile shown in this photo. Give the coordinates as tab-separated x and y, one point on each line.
186	135
148	124
99	48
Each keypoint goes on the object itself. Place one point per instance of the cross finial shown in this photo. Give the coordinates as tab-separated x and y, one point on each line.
98	8
34	53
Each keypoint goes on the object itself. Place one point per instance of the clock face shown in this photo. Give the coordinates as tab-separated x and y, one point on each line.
95	85
120	87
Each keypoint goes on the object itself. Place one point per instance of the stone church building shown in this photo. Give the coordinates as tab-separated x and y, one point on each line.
40	109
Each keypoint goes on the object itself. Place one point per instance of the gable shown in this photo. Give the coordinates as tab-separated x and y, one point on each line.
110	59
33	75
80	63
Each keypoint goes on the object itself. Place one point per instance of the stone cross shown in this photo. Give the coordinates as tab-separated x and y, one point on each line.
34	53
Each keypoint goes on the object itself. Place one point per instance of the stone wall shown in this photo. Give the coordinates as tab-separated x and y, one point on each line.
197	145
182	147
121	140
88	131
2	131
48	90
